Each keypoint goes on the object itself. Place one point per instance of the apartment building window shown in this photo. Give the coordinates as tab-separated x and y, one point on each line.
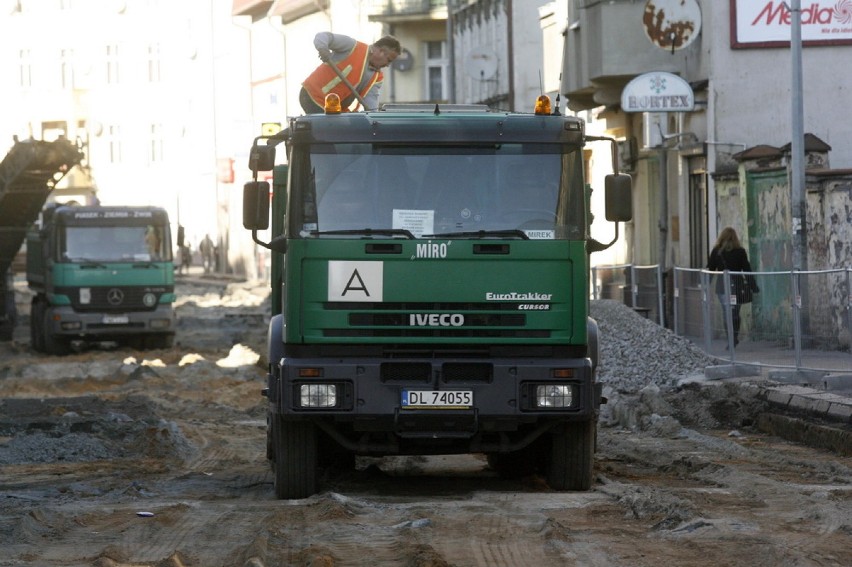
66	62
114	140
112	67
52	130
25	66
156	144
154	63
436	70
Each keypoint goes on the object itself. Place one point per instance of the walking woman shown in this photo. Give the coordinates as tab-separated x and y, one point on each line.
728	254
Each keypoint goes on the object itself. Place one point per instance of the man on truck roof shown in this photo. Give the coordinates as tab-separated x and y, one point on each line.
359	63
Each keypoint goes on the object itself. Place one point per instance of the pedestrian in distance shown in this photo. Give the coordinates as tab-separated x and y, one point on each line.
359	63
729	255
185	258
206	249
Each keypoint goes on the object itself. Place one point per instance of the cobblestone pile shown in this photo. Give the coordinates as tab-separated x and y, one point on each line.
636	352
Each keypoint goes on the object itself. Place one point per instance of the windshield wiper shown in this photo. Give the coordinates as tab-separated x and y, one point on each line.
510	233
366	232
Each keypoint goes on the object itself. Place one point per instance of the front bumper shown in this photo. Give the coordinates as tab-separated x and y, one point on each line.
64	321
504	413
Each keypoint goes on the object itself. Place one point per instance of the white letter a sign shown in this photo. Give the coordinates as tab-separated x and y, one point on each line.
355	281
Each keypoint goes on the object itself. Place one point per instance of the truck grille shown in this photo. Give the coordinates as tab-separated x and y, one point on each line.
116	299
393	320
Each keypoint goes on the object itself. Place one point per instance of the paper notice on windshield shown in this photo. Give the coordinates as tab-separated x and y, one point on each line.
417	222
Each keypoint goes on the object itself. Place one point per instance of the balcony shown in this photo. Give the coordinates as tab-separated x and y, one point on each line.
607	46
394	11
289	10
257	9
292	10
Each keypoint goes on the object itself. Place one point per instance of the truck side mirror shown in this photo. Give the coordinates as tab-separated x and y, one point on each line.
256	205
618	189
261	158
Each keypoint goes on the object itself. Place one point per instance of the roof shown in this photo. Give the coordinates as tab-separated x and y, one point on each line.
812	144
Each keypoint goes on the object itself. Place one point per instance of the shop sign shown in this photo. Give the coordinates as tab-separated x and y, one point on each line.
657	92
767	23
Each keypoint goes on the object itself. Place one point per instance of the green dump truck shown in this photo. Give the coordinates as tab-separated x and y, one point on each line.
431	290
101	274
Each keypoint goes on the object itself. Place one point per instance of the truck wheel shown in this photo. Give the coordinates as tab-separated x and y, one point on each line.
295	462
7	325
53	344
35	325
270	441
572	456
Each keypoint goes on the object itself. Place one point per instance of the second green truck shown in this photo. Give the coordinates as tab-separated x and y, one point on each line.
101	274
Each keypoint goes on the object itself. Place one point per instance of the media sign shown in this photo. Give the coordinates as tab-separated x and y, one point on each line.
767	23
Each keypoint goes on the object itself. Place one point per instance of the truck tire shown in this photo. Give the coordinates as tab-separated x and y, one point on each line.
36	331
55	344
572	456
10	318
295	462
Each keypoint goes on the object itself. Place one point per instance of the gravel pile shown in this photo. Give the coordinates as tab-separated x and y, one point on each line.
636	352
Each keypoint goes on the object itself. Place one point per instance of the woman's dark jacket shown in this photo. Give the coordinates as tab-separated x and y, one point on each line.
734	260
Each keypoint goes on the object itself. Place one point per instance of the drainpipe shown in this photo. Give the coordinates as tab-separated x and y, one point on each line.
391	70
510	54
451	68
664	204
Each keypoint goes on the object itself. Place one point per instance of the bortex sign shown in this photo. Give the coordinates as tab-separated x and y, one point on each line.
767	23
657	92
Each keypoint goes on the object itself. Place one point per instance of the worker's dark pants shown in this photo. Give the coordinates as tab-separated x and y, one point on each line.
308	104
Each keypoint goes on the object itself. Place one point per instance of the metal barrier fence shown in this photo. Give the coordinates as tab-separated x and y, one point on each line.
799	319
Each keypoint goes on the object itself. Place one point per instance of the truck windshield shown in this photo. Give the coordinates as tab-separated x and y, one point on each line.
114	243
535	190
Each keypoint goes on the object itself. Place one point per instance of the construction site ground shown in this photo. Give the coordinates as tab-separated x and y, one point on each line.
112	457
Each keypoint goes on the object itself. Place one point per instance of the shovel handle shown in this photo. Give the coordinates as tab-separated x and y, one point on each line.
348	84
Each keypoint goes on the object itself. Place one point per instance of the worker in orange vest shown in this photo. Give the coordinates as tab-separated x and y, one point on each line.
360	63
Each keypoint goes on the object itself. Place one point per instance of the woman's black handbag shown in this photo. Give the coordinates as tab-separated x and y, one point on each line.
744	288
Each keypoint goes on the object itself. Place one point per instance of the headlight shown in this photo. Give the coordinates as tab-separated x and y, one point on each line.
553	395
318	395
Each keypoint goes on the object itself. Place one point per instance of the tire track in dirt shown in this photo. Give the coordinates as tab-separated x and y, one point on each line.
510	528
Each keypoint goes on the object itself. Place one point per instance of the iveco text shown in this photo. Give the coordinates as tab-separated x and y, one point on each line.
435	320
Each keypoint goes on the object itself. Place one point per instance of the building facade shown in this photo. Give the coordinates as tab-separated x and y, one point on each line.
736	56
151	89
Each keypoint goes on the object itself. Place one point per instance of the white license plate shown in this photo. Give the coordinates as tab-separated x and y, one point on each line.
456	399
116	319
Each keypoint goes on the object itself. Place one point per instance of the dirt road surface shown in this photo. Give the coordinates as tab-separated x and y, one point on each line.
113	457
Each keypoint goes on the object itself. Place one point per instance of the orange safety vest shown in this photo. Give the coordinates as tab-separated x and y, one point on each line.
324	80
